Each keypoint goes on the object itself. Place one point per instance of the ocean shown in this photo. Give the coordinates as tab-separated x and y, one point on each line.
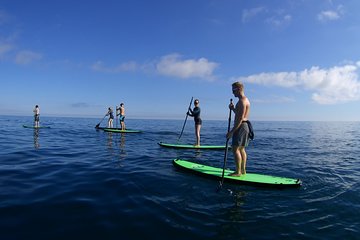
72	181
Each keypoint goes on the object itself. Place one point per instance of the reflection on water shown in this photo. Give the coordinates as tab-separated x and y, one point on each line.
110	140
122	153
36	139
122	142
116	146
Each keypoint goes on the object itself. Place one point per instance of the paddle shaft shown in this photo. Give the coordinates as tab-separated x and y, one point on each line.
185	119
226	148
116	117
97	125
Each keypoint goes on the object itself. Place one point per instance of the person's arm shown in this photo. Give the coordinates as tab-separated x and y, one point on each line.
196	111
239	116
190	112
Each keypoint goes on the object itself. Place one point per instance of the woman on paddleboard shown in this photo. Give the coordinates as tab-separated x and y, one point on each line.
110	113
36	116
240	131
196	114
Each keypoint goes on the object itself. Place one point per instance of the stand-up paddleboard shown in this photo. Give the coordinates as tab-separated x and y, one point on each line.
188	146
27	126
116	130
247	179
102	128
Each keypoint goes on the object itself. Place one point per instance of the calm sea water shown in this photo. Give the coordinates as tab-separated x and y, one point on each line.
72	181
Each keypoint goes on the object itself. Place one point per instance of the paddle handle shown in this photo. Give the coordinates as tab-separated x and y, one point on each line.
185	120
226	147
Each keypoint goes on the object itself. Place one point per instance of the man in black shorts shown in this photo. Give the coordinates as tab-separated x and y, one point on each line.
240	131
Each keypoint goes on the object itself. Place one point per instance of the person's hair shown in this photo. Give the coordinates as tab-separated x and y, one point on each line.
121	104
196	101
238	85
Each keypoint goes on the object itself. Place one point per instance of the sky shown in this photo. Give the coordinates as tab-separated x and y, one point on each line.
299	59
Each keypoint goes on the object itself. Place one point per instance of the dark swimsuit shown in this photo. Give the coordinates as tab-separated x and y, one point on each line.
111	114
196	114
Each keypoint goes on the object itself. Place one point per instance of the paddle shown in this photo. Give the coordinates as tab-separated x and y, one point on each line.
226	150
116	112
185	120
97	125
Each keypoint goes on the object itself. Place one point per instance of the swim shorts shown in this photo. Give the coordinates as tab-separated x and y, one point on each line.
241	136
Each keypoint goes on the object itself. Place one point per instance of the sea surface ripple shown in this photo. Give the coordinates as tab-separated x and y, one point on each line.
72	181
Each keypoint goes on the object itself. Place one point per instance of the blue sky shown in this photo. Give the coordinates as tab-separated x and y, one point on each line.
298	59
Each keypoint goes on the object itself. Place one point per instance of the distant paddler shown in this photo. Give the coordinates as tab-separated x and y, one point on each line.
195	113
120	111
110	113
36	116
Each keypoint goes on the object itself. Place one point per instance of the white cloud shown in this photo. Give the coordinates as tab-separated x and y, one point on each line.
248	14
328	86
279	21
4	49
26	57
331	15
123	67
172	65
325	16
169	65
274	99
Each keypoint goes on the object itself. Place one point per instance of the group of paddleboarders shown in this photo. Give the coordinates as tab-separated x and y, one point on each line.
240	133
120	111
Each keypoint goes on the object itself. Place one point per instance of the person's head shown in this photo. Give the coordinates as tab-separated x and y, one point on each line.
196	102
109	108
36	106
238	89
121	104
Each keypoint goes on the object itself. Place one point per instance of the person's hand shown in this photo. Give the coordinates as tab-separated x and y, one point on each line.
229	135
231	106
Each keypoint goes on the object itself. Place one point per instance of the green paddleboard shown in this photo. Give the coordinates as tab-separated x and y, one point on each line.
247	179
188	146
27	126
116	130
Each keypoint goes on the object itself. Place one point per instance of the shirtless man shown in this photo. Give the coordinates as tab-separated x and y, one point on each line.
121	115
240	131
36	116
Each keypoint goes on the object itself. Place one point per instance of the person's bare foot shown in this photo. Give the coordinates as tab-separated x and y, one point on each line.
235	174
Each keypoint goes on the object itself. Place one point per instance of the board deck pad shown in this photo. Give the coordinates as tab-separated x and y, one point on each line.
247	179
188	146
28	126
117	130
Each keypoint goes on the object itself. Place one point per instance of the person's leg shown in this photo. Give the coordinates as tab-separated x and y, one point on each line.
238	161
244	158
123	123
197	133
